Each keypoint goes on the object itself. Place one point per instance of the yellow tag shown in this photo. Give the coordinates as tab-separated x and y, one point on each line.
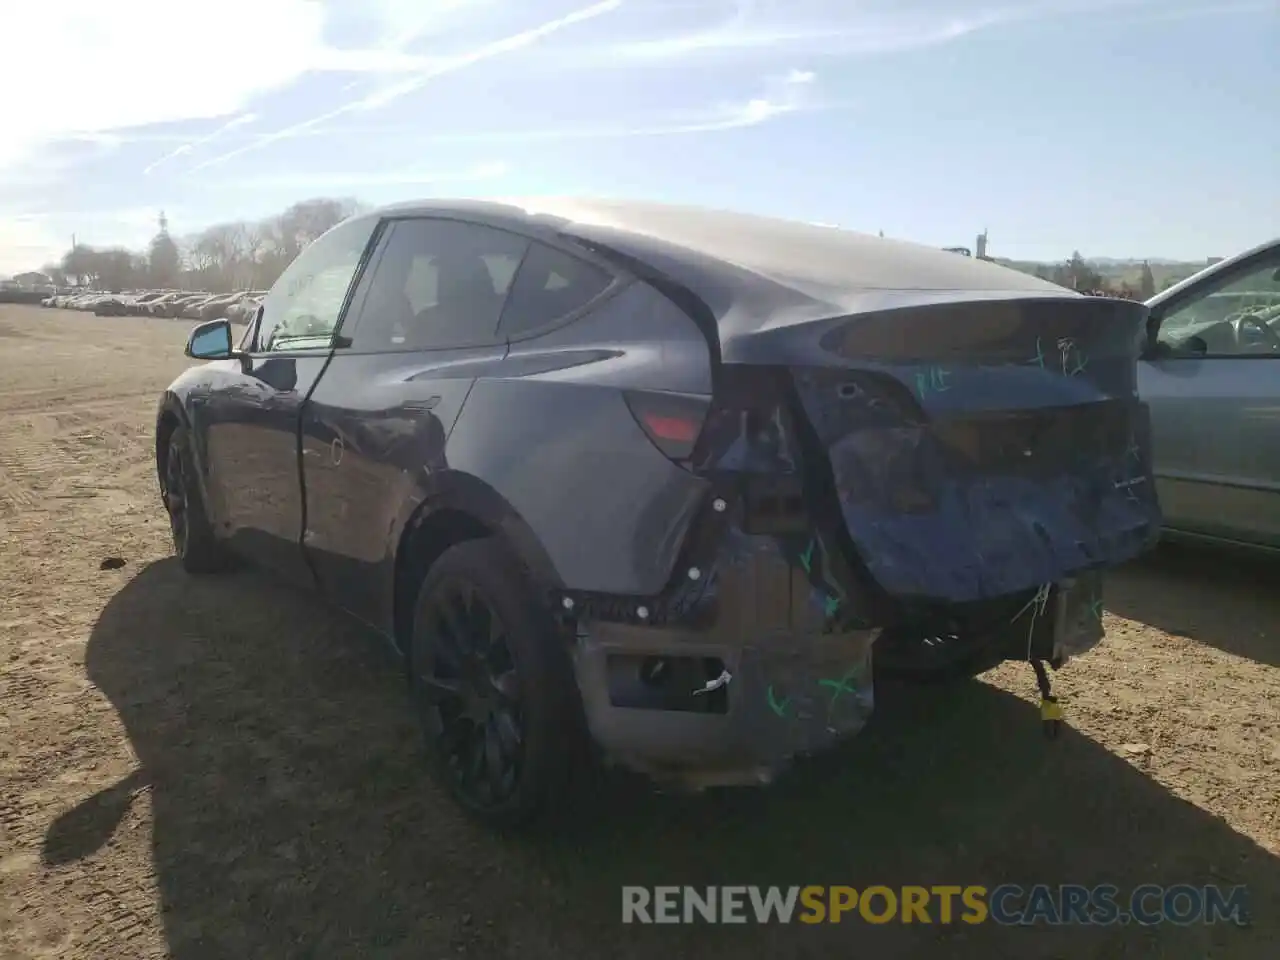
1050	710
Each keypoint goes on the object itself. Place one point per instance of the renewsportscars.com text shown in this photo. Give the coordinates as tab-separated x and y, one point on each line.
1007	904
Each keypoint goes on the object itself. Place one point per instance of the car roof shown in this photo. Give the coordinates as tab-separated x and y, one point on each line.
749	272
791	252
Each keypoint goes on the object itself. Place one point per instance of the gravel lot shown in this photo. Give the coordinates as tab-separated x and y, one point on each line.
222	768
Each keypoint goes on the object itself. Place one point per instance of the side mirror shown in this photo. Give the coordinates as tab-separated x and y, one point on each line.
211	341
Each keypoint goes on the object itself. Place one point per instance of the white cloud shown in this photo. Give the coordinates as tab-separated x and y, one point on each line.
133	63
380	98
402	23
122	64
790	93
82	77
770	28
755	28
190	145
371	178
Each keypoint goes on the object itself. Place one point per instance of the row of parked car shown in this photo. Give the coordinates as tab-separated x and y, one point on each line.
176	304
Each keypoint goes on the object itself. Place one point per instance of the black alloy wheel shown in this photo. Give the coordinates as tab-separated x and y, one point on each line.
493	684
193	539
470	694
175	494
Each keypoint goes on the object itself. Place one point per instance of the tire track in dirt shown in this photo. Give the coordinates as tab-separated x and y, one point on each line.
58	455
29	464
37	467
53	401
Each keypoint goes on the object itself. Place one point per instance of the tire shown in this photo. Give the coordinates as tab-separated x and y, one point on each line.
193	539
518	696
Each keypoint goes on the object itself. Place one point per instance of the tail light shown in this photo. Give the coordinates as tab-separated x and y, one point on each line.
672	421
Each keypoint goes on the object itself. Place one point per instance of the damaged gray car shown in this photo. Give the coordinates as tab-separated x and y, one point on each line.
664	481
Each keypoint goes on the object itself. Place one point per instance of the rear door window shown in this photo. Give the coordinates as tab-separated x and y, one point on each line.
438	284
548	286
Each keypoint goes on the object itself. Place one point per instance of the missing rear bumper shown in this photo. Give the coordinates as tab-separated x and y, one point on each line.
672	705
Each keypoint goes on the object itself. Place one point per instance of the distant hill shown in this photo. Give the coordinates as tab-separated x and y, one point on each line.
1118	271
1136	261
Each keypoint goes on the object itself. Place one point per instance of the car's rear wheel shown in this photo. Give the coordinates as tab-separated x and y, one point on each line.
193	539
493	686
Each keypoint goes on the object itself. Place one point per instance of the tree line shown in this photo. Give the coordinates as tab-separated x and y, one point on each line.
1077	273
244	255
223	258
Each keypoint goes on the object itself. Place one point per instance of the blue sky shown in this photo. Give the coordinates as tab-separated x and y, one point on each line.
1116	127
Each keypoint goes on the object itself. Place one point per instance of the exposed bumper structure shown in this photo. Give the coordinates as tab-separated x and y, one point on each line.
774	697
753	656
738	672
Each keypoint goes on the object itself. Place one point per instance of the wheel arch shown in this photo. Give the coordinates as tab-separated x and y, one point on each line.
455	508
169	416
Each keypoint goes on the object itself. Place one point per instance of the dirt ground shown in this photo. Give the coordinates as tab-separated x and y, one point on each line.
222	768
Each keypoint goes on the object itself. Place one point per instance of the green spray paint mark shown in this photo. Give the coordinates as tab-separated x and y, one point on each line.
840	686
806	558
1071	353
831	606
779	708
1096	608
934	380
1038	359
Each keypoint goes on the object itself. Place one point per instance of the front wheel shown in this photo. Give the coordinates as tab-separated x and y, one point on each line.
493	685
193	539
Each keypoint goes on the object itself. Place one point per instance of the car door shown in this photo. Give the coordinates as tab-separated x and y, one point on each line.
250	422
1213	388
374	428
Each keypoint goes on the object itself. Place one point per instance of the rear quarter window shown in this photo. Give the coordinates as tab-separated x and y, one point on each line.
548	286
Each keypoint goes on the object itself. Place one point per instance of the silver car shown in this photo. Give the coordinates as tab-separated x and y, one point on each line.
1211	377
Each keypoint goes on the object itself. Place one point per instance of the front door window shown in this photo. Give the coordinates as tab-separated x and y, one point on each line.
1239	315
304	305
